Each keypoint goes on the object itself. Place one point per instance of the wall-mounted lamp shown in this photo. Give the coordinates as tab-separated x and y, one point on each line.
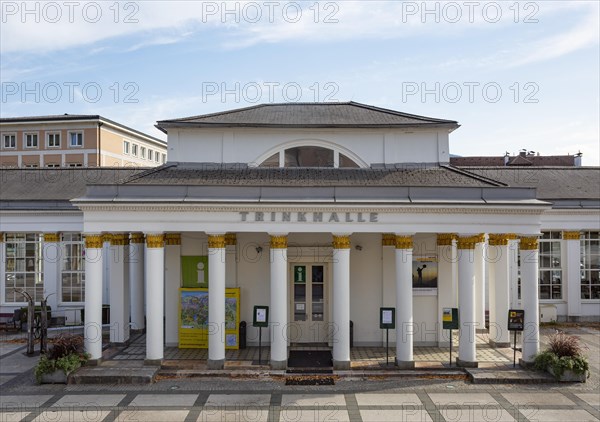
358	248
259	249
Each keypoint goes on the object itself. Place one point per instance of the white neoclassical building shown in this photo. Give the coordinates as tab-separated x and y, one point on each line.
325	213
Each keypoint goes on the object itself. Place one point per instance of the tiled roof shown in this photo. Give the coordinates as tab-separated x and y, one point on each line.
62	184
349	114
552	183
529	160
217	175
58	117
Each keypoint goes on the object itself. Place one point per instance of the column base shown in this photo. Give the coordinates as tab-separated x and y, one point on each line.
153	362
278	364
215	364
481	330
466	363
526	365
405	364
499	344
93	362
137	331
341	364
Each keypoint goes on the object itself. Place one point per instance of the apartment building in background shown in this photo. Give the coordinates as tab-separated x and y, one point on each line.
70	140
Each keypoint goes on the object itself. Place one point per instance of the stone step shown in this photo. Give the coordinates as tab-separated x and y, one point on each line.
508	376
120	374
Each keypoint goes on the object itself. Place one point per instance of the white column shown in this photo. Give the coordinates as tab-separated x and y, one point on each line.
106	268
155	272
513	267
388	271
404	302
136	280
498	258
480	264
93	296
571	264
278	308
530	297
467	352
341	301
172	285
216	301
447	281
231	260
52	261
2	261
119	288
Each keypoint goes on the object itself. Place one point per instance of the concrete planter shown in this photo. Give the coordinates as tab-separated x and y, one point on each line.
56	377
569	376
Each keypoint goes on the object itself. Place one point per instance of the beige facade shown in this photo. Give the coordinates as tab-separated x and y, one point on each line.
76	141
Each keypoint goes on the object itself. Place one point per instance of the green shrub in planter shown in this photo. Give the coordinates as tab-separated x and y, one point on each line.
564	354
66	355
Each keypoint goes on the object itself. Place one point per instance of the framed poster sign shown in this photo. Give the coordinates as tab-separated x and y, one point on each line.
387	318
450	319
261	316
516	319
425	273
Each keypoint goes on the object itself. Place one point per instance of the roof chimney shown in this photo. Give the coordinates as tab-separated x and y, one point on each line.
578	159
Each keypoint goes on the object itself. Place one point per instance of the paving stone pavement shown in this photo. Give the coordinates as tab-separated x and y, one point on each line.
365	398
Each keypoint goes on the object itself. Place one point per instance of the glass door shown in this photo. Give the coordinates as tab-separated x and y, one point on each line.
309	304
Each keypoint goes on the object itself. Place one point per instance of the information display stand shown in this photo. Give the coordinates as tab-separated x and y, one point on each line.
516	322
260	319
387	321
450	322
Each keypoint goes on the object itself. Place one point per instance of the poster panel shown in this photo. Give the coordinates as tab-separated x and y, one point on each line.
194	271
193	318
425	273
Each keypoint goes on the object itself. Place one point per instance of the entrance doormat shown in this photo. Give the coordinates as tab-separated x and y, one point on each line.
310	359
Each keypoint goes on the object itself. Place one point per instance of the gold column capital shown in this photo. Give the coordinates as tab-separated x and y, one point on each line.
106	237
155	241
571	235
119	239
501	239
230	239
404	242
51	237
341	242
173	239
216	241
388	239
94	241
445	239
137	238
529	243
279	242
467	242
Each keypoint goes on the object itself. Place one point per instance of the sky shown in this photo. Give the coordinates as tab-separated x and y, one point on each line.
515	74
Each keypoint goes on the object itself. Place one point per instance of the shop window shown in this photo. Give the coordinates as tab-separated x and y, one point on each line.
24	267
590	265
73	268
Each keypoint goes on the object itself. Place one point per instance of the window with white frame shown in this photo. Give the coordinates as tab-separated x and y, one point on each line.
53	140
30	166
134	150
164	158
75	139
590	265
75	165
73	268
157	157
31	140
126	147
309	156
52	165
550	265
24	267
150	154
9	141
143	152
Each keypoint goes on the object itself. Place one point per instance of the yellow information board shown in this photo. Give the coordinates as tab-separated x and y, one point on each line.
193	318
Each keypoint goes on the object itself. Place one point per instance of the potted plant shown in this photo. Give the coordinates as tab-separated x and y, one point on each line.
564	359
65	356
